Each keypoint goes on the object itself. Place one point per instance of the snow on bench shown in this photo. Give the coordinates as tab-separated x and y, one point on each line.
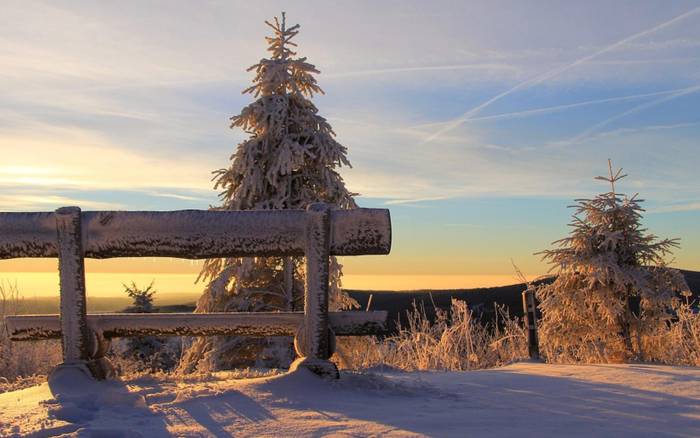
316	233
119	325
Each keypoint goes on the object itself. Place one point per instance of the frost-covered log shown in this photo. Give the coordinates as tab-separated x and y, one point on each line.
28	235
195	234
114	325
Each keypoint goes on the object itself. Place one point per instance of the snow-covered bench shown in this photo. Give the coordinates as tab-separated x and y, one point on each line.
316	233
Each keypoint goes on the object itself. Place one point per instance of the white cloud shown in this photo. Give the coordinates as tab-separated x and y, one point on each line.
690	206
81	160
50	202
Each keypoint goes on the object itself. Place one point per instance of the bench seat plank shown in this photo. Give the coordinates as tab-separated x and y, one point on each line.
114	325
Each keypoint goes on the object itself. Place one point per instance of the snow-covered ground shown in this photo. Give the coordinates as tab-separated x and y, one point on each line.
525	399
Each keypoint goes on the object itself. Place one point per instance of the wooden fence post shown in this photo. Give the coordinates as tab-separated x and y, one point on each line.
530	313
71	268
313	342
288	269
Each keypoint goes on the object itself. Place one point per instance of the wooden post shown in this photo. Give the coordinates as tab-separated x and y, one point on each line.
71	267
313	342
530	314
316	297
288	266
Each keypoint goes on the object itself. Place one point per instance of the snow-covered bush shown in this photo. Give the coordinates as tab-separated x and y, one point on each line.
455	341
289	161
612	289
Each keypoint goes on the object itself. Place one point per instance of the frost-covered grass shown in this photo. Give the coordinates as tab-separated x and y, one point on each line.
456	341
679	342
22	363
675	342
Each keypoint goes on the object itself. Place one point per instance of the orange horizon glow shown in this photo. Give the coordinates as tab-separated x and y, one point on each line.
105	284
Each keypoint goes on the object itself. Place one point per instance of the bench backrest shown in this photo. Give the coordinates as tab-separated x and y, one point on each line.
194	234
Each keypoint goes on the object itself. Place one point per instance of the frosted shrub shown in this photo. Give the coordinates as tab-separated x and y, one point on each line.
454	341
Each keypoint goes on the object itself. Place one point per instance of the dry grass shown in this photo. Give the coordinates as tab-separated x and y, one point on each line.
22	363
672	342
455	341
678	342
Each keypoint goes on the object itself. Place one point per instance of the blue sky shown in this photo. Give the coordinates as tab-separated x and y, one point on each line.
476	123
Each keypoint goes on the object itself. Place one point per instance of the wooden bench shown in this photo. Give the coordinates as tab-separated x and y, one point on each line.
316	233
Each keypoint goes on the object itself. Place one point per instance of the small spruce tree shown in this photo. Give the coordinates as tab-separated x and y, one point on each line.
146	353
612	285
289	161
142	298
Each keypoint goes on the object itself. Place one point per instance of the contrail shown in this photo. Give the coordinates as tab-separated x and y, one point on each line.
382	71
557	71
636	109
555	108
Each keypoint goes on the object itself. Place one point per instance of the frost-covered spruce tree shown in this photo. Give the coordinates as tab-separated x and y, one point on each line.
289	161
145	353
612	285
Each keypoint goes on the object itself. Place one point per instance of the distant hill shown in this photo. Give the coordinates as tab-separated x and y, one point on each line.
482	301
166	303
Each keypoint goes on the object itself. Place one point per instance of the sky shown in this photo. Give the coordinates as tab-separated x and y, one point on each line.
476	123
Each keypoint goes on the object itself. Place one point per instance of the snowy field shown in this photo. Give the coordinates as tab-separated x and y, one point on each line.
524	399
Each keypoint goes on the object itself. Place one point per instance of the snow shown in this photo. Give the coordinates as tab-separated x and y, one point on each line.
524	399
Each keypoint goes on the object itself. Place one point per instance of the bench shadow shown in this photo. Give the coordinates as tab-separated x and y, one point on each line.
502	403
104	409
230	404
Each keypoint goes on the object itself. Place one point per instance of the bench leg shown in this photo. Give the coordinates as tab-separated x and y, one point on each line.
100	367
76	337
314	340
75	377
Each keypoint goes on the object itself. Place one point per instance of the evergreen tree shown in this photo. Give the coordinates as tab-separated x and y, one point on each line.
612	284
289	161
146	353
143	298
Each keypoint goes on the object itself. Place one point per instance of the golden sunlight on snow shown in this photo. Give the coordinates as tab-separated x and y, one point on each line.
524	399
